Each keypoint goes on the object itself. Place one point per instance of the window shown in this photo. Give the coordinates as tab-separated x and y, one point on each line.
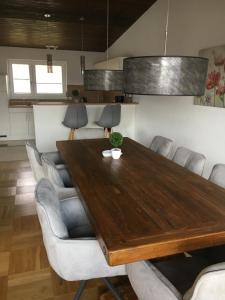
21	79
48	83
31	79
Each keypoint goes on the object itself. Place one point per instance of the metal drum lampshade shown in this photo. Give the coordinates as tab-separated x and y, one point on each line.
103	80
165	75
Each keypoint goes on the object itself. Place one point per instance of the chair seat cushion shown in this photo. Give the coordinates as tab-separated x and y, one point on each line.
181	271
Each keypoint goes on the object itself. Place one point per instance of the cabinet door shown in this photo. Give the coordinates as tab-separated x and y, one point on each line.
31	131
3	83
4	115
18	125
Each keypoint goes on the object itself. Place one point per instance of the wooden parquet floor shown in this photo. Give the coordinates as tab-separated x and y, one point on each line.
25	273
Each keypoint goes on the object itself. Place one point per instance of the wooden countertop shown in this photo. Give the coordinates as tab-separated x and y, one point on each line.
16	103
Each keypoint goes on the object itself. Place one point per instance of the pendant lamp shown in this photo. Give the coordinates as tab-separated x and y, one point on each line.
82	57
165	75
49	56
104	80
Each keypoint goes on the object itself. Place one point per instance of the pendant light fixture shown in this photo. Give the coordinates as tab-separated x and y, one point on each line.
104	80
49	56
82	57
165	75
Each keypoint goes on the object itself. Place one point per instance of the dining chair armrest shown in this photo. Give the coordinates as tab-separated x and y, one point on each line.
55	157
209	284
64	193
86	260
149	283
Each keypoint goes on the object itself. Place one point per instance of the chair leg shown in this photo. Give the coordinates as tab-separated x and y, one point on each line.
71	134
107	132
69	137
112	288
80	290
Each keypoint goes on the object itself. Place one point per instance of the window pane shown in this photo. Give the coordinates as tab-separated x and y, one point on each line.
20	71
49	88
21	86
42	76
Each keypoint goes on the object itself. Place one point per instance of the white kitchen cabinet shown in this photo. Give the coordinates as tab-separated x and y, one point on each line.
21	124
30	120
4	116
3	83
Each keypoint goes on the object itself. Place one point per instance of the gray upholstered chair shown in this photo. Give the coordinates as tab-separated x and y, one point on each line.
168	280
217	175
190	160
110	118
214	254
75	118
71	256
161	145
59	177
35	160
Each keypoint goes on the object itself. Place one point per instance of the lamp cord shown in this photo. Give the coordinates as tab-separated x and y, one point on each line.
167	25
82	33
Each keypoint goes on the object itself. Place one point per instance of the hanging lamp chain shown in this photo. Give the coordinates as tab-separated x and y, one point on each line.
107	35
167	26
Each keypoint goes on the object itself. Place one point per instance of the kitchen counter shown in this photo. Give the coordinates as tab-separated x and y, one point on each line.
49	128
22	103
29	103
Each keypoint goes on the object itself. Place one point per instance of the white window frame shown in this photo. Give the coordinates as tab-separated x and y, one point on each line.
33	94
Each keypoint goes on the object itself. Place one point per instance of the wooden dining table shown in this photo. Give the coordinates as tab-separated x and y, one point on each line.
143	205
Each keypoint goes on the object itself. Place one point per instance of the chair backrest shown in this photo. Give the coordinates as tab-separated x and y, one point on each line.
161	145
110	116
217	175
181	156
149	283
51	172
190	160
47	197
209	285
76	116
35	160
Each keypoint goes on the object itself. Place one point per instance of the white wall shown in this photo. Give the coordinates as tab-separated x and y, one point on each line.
193	25
71	57
7	119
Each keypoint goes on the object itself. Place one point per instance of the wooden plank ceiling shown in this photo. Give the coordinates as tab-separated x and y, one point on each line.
23	23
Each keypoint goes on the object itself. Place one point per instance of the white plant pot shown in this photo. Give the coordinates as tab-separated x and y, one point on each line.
116	153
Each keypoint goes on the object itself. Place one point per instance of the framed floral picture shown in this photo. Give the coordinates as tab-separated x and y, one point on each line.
215	83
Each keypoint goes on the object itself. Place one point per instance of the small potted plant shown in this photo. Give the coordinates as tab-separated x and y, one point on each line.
116	139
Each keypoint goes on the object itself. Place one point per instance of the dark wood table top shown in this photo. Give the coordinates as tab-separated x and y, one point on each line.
144	206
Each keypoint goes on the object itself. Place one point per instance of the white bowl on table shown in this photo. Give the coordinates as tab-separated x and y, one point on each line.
107	153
